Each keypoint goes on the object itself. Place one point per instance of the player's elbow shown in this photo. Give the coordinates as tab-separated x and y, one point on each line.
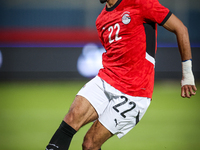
181	30
184	29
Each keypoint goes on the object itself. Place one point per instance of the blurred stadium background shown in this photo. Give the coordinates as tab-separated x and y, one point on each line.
49	49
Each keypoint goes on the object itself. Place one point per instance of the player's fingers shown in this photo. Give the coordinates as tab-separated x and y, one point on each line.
187	92
183	91
194	88
191	91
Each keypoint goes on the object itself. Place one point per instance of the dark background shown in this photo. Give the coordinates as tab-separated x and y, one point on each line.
42	40
61	63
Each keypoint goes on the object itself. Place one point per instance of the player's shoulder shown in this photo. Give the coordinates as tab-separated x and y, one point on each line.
139	3
131	2
147	2
100	17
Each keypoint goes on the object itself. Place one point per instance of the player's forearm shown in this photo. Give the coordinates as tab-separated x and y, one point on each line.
176	26
183	43
186	56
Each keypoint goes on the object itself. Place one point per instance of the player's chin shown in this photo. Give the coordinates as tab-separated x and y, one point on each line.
102	1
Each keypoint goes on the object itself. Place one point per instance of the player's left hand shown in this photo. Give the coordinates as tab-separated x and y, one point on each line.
188	91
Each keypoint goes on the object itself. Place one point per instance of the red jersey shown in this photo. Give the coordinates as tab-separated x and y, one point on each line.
128	32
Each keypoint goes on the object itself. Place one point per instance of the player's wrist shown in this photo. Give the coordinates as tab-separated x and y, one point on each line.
187	74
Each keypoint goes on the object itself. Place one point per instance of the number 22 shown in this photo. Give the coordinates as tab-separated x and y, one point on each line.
111	29
122	103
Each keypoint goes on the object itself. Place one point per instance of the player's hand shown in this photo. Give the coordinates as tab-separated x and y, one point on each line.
188	91
188	87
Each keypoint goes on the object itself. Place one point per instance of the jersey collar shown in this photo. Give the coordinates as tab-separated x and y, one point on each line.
114	6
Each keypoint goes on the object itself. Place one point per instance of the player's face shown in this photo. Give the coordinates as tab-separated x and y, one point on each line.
103	1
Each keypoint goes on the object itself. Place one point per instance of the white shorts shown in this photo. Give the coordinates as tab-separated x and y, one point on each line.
117	111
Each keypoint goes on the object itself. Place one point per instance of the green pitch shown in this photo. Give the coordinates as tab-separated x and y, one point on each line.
30	112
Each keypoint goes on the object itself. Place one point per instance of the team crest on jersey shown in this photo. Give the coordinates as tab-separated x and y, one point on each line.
126	19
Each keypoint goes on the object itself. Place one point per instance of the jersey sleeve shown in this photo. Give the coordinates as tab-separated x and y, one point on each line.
153	11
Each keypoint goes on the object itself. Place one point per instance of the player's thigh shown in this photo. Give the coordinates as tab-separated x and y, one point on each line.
123	113
80	113
96	136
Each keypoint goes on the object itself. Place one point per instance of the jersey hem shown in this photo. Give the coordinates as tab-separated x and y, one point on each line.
142	93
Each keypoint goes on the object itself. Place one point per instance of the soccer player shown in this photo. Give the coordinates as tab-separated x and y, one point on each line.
117	98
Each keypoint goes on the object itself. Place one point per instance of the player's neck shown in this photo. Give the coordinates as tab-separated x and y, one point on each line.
110	3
